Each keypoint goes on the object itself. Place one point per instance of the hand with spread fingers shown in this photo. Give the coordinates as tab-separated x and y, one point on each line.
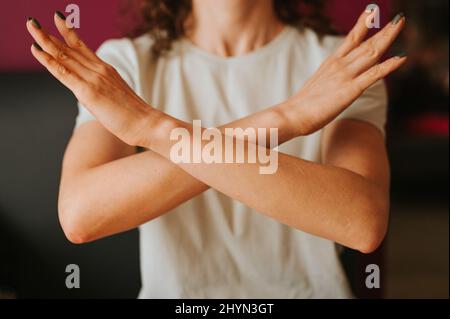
96	84
345	75
340	80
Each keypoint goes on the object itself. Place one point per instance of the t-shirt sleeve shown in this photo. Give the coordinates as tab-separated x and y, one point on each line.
119	53
371	107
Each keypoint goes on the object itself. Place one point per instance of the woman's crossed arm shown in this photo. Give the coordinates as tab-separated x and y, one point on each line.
345	199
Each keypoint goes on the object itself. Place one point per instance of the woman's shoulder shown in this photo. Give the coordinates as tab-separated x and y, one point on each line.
128	48
126	55
318	43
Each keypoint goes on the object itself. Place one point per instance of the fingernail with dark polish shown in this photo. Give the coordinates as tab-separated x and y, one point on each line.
397	18
29	18
37	46
36	23
60	15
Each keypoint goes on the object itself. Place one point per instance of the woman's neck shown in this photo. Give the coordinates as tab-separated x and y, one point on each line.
232	27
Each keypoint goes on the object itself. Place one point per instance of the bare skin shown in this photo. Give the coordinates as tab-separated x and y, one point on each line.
345	199
228	28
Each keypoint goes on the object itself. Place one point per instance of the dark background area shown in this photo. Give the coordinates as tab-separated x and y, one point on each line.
37	115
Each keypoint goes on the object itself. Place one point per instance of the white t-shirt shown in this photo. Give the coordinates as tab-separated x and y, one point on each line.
213	246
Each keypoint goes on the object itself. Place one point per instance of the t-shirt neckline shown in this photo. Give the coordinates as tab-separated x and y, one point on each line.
272	46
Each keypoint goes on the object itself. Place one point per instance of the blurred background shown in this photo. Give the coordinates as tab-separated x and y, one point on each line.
37	116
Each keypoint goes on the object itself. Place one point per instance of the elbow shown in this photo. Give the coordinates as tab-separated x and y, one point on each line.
371	242
71	220
374	228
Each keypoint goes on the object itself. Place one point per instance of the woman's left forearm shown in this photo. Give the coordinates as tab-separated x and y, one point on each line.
326	201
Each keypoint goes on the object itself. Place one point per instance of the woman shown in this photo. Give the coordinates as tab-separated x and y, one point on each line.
228	61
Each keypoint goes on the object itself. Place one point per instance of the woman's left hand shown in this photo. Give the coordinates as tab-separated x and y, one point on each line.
344	76
96	84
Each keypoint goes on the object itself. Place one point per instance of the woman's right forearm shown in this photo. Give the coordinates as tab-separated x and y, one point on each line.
122	194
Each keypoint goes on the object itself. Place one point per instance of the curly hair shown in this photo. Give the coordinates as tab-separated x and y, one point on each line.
165	20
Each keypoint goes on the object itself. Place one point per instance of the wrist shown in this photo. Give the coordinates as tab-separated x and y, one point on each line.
296	120
156	133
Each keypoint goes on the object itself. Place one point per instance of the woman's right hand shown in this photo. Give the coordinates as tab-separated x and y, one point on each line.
95	83
343	77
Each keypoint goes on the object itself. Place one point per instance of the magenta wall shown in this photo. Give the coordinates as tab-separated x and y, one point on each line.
15	45
101	19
